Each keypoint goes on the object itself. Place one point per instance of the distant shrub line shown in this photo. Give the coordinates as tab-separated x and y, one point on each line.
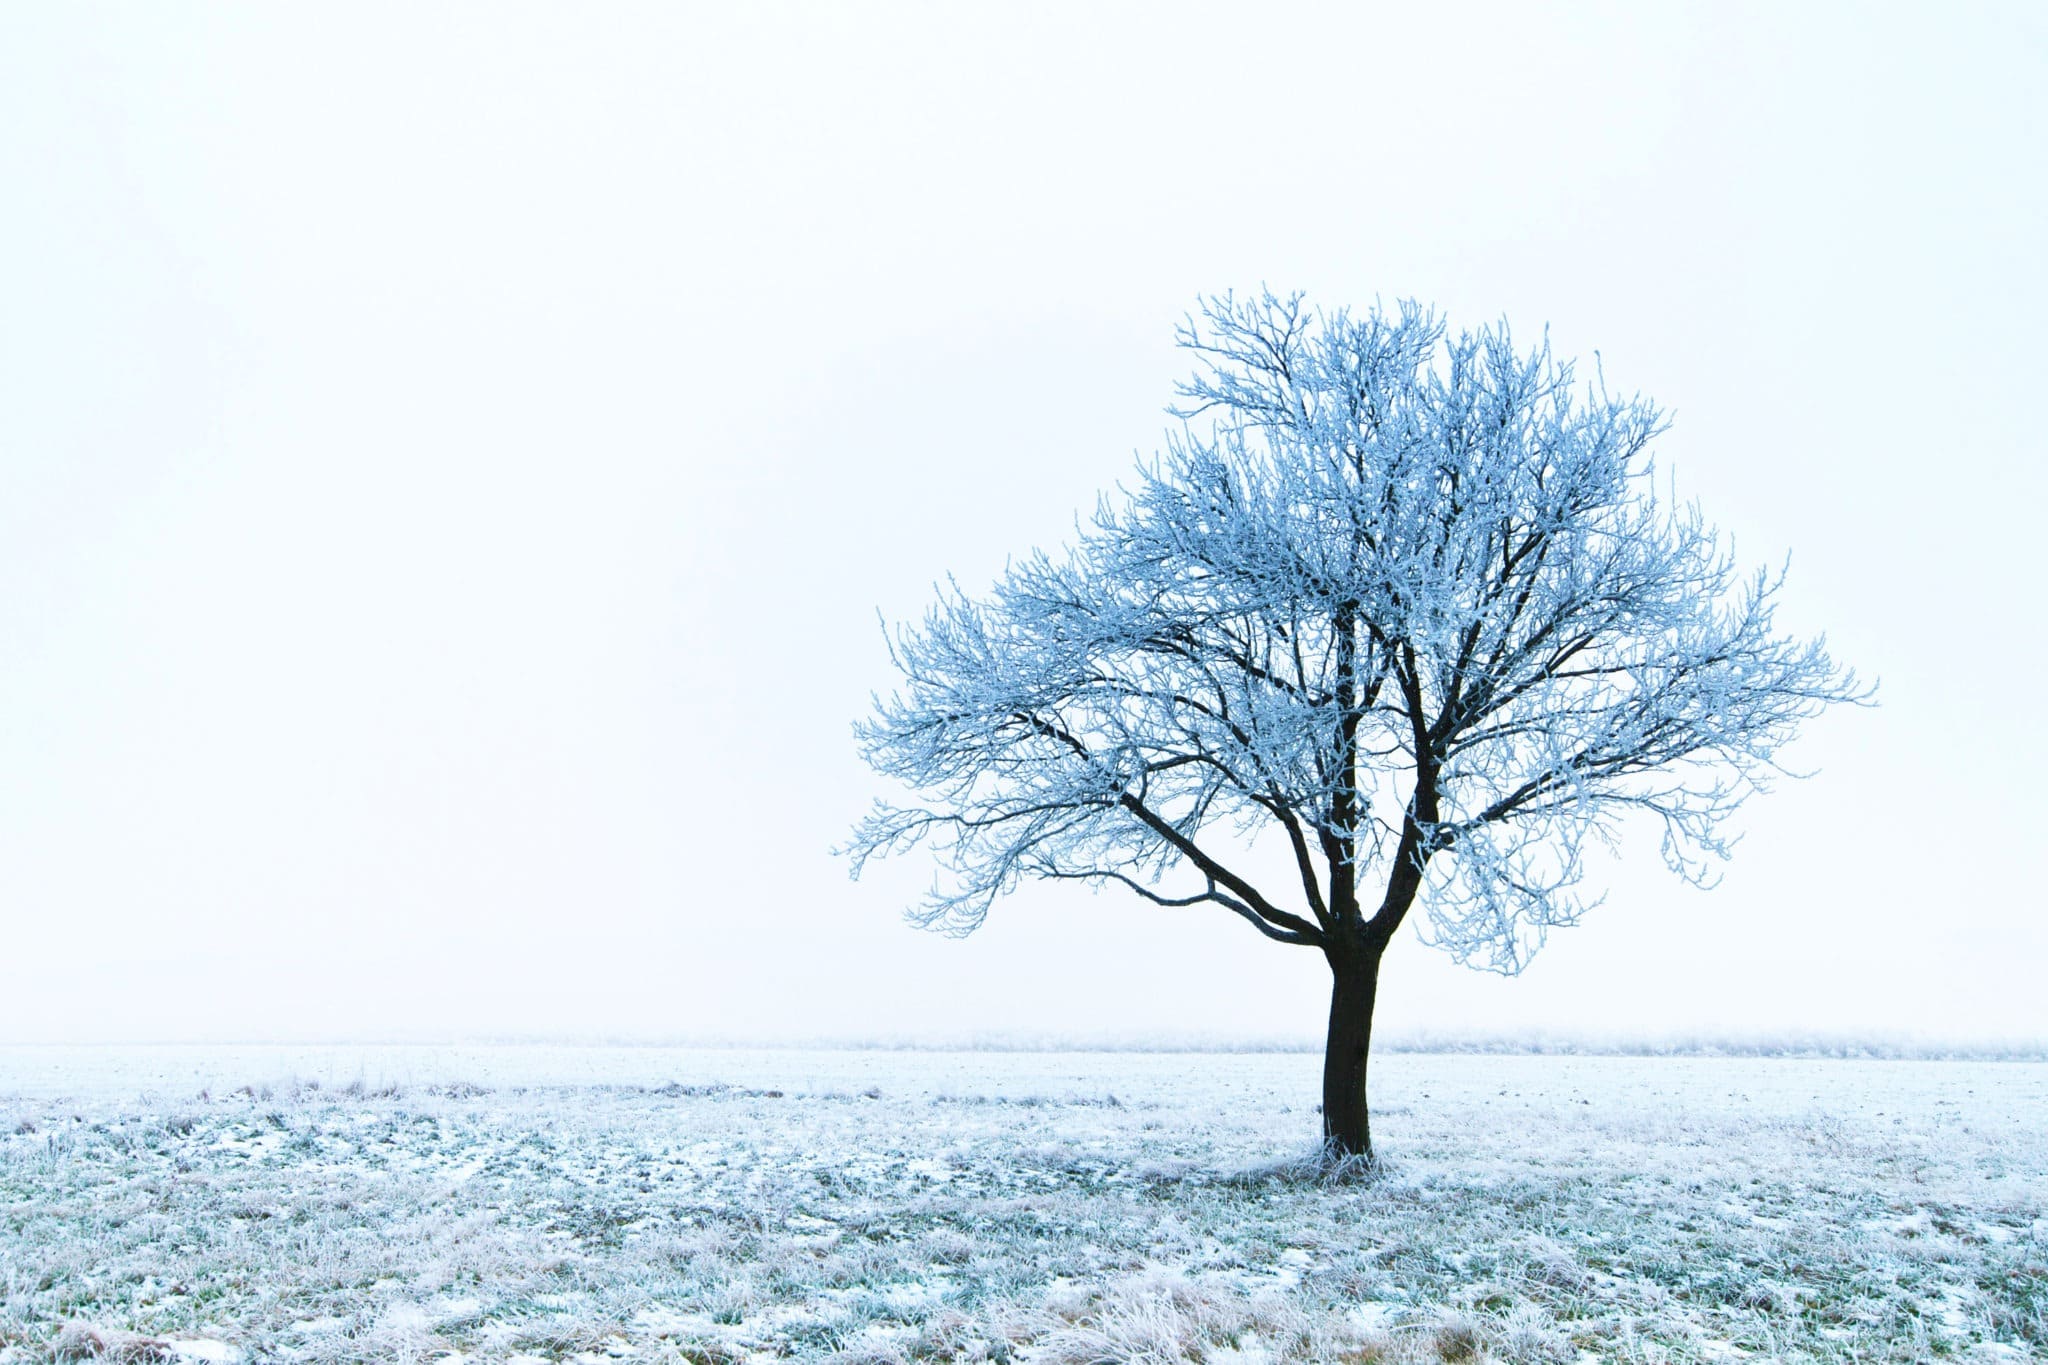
1792	1046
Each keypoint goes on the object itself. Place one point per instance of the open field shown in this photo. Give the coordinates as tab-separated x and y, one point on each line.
547	1204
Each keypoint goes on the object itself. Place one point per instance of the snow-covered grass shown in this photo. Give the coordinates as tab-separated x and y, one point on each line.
658	1204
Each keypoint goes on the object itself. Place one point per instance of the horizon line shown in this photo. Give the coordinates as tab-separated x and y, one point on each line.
1675	1043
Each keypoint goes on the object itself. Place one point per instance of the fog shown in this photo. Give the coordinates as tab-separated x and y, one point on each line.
454	461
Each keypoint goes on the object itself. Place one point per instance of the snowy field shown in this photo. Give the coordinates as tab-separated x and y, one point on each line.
594	1204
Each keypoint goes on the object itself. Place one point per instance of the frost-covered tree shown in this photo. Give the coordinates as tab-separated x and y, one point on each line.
1403	608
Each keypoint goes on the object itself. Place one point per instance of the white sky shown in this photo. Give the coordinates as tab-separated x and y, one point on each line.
451	461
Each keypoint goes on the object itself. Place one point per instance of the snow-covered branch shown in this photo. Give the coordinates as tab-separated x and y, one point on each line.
1405	601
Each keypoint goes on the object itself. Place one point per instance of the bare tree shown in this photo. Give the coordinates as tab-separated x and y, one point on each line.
1407	605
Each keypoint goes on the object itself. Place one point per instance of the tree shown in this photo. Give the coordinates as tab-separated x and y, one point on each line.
1406	609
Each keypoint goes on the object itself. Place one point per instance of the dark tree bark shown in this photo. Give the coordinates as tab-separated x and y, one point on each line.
1354	984
1353	945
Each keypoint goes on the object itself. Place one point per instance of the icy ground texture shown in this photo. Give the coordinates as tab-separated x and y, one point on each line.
543	1205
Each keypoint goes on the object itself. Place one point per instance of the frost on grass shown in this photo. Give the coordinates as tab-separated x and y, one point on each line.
1533	1208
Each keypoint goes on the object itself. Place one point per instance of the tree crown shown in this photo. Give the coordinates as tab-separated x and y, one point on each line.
1406	601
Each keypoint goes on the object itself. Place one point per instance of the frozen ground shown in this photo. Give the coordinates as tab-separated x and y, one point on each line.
535	1204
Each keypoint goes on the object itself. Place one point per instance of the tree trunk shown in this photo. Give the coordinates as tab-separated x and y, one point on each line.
1355	979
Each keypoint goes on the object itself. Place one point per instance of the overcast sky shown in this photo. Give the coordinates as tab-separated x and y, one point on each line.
452	459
